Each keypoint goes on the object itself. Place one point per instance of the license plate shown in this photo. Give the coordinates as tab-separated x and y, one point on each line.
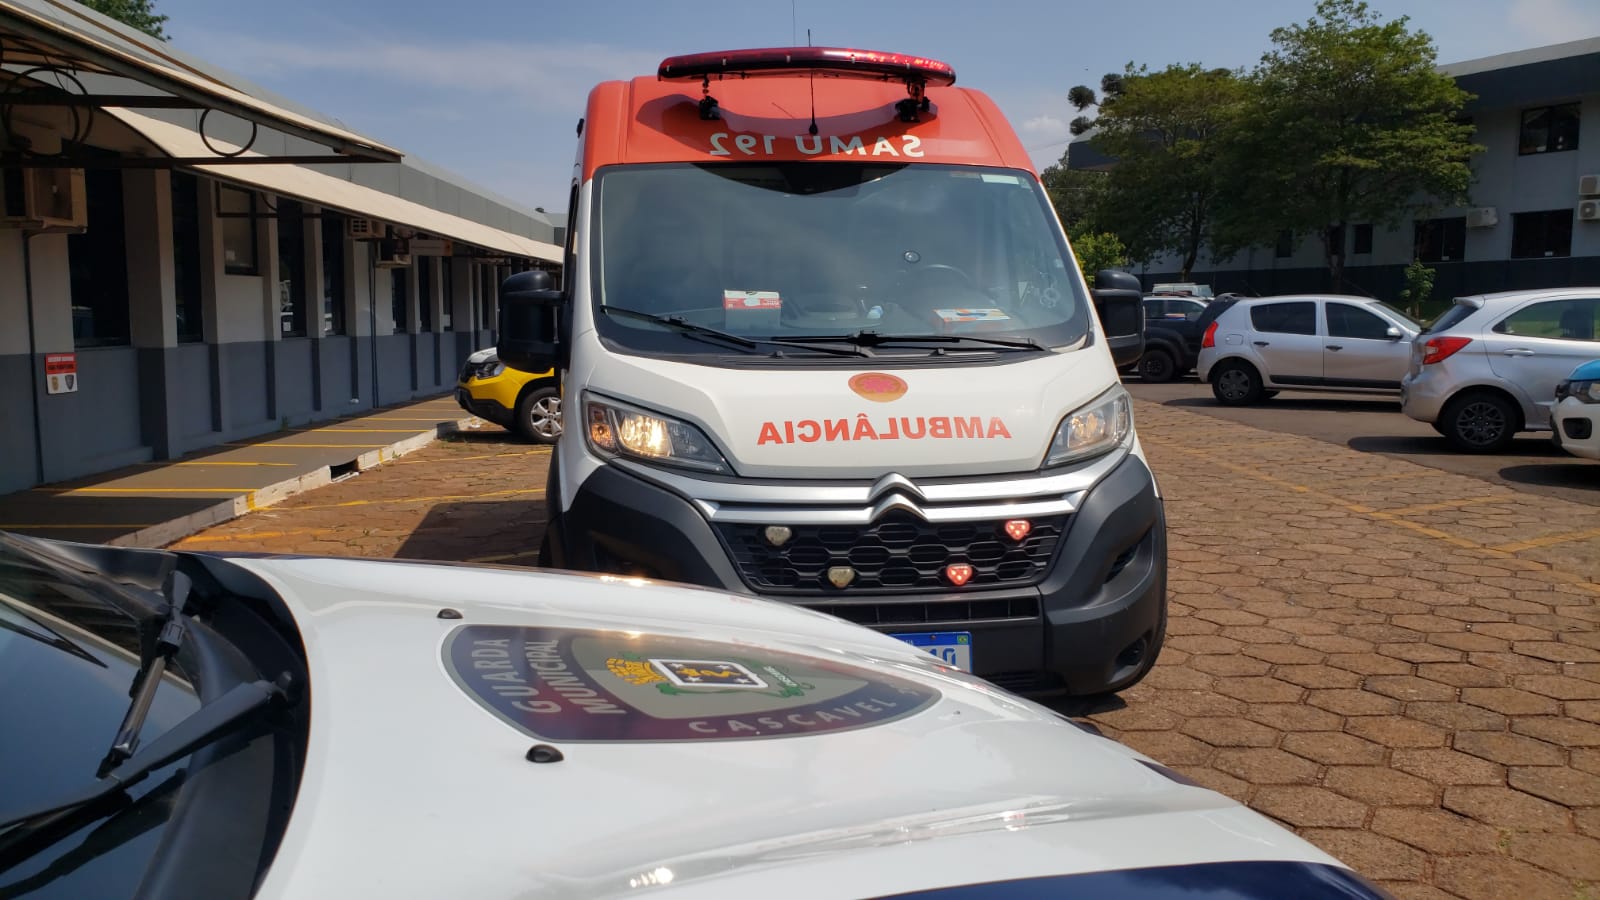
954	648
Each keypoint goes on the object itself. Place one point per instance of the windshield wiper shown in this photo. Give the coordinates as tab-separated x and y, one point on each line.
25	830
688	328
876	339
162	639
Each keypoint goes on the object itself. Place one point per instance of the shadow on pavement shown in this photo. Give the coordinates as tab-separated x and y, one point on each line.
1285	402
1085	706
1563	475
490	531
1434	446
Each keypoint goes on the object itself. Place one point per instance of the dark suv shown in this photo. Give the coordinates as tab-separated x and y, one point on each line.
1173	326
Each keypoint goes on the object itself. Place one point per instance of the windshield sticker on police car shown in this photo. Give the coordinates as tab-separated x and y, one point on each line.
864	428
560	684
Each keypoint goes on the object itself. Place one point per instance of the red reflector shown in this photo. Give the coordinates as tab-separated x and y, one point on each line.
776	60
1209	339
1440	349
958	573
1018	529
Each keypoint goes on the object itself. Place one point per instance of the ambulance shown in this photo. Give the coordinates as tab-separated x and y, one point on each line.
821	340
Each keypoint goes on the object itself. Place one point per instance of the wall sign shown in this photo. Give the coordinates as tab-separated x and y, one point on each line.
61	373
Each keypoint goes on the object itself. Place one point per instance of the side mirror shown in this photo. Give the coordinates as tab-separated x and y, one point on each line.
1394	333
1119	301
529	325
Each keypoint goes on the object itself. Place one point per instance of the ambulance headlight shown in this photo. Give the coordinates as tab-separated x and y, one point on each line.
1101	425
616	429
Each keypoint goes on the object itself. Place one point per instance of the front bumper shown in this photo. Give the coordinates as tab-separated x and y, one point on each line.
1576	427
484	409
1086	627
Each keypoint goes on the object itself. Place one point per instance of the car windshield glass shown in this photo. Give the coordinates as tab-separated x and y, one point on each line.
1400	314
781	251
67	658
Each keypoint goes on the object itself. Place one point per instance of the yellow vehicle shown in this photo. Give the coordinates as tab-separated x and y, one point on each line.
528	404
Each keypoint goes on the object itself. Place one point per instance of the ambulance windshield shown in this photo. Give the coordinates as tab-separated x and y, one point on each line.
790	250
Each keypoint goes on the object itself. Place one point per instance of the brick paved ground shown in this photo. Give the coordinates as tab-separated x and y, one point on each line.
1400	663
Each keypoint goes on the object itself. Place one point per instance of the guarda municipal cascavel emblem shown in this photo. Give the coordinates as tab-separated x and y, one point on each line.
579	685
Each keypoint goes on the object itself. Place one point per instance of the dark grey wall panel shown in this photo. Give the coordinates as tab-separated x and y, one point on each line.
394	368
1454	279
98	427
336	389
425	350
19	458
245	367
296	377
194	387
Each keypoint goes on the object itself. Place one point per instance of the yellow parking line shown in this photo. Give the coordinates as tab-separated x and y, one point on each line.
1549	539
399	500
271	445
363	431
542	451
502	557
231	538
1447	504
145	490
56	525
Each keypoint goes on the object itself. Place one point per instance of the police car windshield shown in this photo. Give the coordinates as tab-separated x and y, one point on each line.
790	250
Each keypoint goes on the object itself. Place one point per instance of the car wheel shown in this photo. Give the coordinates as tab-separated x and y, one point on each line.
1237	383
1481	422
539	416
1157	366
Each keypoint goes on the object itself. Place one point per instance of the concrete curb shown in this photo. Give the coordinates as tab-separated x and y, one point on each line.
164	533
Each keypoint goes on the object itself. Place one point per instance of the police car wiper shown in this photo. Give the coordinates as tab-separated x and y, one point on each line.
159	640
217	719
876	339
686	327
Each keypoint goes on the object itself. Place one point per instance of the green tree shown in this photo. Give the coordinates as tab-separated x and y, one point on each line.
138	14
1098	250
1077	195
1165	129
1348	121
1418	289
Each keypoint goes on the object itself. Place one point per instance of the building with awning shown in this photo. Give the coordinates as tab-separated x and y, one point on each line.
210	262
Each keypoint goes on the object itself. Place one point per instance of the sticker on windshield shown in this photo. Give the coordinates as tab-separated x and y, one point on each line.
972	315
560	684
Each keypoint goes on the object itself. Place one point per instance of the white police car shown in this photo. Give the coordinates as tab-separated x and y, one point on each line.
310	727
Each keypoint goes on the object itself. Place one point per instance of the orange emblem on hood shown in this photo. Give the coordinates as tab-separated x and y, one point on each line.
878	386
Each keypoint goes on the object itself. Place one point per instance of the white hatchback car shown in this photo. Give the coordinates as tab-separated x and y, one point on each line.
1259	346
1575	417
1488	368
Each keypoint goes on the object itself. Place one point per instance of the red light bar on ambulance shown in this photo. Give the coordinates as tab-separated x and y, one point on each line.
832	60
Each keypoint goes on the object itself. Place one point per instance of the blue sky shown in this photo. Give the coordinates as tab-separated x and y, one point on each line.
492	89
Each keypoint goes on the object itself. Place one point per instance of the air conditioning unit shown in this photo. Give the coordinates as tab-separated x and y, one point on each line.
43	200
1589	186
1482	217
1589	210
394	254
358	229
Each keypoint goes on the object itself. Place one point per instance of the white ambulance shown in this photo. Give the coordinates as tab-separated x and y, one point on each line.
822	340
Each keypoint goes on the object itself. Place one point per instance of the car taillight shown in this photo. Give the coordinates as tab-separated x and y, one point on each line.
1439	349
1209	339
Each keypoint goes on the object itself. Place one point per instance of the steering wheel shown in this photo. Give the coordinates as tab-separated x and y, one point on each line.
943	271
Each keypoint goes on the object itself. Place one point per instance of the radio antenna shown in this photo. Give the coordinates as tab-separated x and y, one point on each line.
813	128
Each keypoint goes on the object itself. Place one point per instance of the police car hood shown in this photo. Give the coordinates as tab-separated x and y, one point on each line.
691	743
930	416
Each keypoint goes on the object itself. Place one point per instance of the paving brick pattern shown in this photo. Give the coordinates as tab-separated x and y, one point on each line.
1401	664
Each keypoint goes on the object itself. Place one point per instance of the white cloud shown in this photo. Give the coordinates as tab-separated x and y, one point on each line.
1555	21
531	76
1045	128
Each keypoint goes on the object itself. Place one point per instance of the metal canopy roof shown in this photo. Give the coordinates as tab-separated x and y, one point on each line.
56	53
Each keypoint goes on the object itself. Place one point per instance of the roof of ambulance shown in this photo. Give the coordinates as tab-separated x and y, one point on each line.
647	120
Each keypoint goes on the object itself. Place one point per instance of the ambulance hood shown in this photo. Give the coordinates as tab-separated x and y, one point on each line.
502	734
944	417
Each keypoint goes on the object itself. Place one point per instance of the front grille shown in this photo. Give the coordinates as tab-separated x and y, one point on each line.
947	612
1578	429
899	554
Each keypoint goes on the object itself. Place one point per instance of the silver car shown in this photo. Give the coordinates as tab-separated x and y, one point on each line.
1488	368
1262	345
